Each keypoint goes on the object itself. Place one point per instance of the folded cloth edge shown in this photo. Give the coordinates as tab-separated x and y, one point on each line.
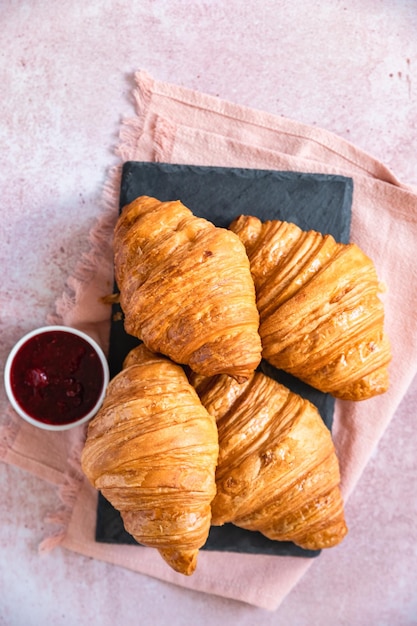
146	86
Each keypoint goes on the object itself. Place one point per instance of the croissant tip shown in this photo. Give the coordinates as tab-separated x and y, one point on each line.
183	562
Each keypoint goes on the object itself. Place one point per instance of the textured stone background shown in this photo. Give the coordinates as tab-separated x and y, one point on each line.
66	76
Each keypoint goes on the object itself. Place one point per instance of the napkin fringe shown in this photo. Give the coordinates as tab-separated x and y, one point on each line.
99	240
130	132
132	129
161	132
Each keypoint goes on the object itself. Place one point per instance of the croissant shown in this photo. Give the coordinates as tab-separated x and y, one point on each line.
152	451
277	471
321	319
186	289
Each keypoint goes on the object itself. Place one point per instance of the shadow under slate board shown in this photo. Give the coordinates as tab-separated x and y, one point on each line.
312	201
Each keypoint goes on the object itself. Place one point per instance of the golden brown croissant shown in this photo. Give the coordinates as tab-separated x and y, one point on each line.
321	317
152	451
277	471
186	289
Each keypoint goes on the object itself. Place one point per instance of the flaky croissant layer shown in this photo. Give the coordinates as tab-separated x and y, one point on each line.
152	451
321	316
277	472
186	289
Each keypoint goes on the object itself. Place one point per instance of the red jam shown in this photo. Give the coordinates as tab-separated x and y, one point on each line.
56	377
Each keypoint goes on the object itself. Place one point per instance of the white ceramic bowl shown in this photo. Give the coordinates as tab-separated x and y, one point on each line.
76	383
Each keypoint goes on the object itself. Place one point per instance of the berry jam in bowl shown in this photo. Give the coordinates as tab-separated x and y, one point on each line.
56	377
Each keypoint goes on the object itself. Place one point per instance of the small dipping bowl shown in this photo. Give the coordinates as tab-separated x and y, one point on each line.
56	377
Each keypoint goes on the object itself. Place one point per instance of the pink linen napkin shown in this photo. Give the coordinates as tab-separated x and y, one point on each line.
176	125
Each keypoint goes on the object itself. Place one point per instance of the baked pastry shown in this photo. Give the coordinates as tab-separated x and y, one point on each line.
186	289
152	451
321	318
277	472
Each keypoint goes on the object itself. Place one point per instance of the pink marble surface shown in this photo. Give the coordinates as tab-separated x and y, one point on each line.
66	81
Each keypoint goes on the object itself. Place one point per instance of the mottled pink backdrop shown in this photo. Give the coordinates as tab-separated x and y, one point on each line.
66	76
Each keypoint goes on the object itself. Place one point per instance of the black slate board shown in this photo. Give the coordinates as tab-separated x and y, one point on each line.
313	201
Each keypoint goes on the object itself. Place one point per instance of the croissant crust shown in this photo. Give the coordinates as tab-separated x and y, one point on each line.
277	472
186	289
152	451
321	318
